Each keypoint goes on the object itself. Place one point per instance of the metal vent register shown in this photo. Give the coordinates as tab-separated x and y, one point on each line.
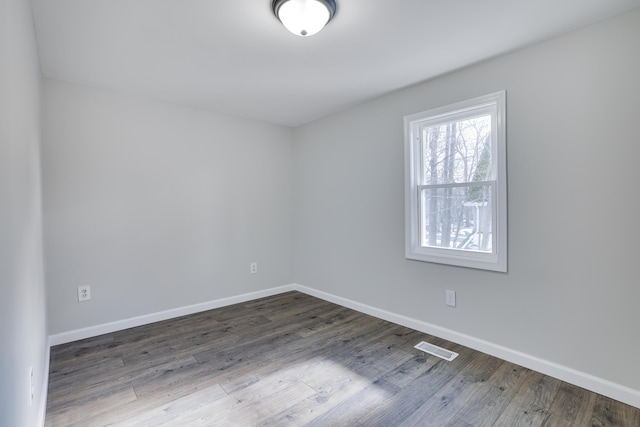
436	351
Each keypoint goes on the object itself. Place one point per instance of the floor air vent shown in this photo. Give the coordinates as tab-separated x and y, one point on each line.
436	351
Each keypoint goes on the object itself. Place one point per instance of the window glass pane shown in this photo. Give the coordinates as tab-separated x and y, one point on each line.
457	217
457	151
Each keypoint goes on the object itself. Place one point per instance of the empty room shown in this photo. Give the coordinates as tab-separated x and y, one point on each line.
319	212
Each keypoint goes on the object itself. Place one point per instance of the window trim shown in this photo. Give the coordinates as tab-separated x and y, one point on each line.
495	104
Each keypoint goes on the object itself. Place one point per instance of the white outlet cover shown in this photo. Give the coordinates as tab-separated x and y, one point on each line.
450	298
31	386
84	293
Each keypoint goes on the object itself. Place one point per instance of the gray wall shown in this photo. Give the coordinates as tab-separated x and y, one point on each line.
571	293
158	206
23	330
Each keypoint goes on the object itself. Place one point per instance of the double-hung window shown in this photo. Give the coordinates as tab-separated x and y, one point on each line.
455	184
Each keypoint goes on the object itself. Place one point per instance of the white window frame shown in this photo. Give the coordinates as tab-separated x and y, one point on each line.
496	260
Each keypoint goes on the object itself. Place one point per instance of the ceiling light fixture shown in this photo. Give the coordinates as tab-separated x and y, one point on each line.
304	17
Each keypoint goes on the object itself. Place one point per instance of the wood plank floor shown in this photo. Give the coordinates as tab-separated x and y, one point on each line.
294	360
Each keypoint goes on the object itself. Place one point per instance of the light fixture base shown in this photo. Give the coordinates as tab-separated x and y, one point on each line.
304	17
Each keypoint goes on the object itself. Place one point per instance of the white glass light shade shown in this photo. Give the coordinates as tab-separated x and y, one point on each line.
304	17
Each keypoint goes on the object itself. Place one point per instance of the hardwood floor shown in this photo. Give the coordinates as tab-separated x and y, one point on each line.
293	359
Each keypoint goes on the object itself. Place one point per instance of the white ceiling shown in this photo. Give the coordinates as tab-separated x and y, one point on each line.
235	57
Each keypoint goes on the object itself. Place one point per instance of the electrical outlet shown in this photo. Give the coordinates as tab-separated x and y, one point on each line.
253	268
450	298
84	293
31	386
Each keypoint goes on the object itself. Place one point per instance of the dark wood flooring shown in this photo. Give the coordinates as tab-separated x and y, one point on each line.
294	360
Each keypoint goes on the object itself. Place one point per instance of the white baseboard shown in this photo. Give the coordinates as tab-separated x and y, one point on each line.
581	379
93	331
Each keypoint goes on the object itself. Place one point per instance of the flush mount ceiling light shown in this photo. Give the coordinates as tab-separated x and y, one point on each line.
304	17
